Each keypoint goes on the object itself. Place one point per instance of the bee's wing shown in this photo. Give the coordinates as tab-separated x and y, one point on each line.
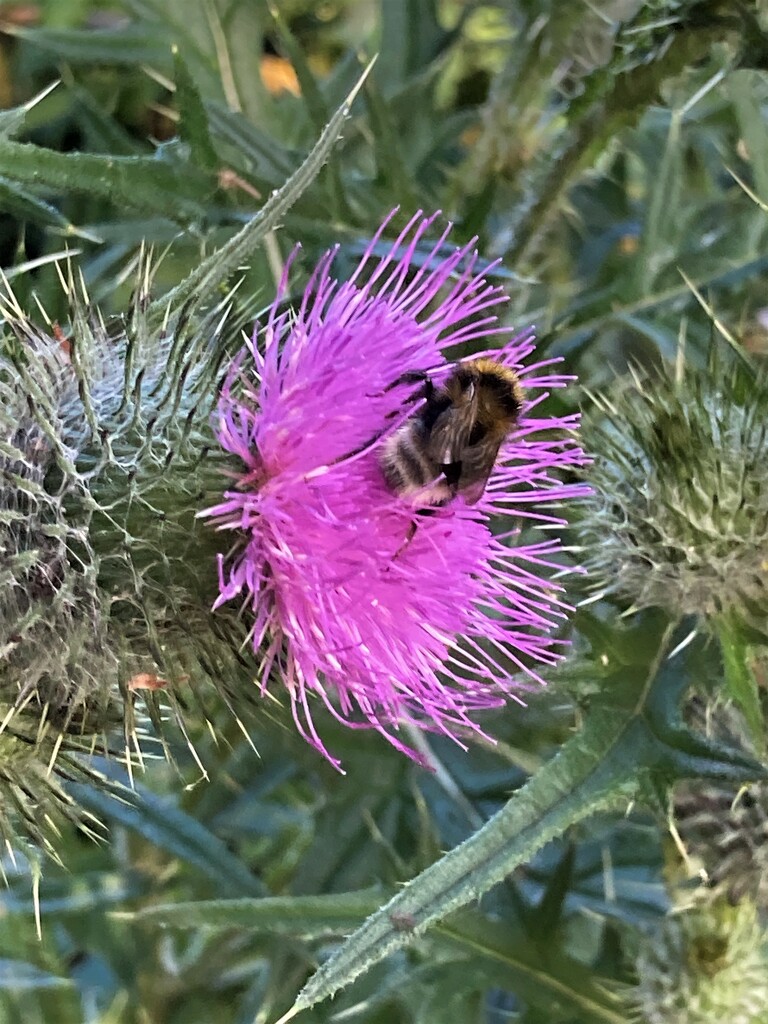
450	434
476	467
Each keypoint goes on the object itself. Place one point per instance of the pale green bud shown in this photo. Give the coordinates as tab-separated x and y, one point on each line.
106	579
721	830
678	517
708	965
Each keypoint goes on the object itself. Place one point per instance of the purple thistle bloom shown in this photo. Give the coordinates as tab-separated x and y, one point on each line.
384	629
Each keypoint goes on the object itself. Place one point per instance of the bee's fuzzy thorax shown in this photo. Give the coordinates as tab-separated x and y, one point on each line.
491	368
500	395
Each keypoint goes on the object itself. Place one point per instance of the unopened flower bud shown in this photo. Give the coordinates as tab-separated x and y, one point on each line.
678	517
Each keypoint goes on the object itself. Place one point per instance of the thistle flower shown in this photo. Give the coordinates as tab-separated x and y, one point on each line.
707	965
386	616
678	516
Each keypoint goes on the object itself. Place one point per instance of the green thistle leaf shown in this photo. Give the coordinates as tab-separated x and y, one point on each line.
621	753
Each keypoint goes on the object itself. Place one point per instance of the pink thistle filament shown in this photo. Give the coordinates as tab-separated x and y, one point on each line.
386	624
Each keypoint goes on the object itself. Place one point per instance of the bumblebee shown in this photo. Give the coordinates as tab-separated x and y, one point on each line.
450	444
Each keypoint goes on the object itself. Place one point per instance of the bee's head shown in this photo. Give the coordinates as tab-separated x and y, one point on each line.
497	395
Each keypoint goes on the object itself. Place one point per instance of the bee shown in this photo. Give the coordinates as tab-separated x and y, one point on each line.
450	444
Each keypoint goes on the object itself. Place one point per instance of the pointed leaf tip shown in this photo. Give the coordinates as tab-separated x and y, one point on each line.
360	82
39	97
293	1012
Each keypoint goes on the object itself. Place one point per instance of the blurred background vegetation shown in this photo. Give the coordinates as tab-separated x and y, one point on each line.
603	150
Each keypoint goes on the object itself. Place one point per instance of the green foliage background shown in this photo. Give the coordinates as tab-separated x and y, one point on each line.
602	151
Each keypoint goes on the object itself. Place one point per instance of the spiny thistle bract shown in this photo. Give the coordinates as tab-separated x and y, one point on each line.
724	828
387	616
678	516
103	435
708	965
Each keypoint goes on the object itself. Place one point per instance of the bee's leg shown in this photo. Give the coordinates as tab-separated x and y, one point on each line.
452	473
412	530
408	538
411	377
423	394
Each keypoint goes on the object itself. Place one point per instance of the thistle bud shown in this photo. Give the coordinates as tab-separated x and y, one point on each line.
705	966
678	516
57	677
101	450
722	828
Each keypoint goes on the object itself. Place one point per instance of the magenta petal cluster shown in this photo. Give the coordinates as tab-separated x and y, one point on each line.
356	611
